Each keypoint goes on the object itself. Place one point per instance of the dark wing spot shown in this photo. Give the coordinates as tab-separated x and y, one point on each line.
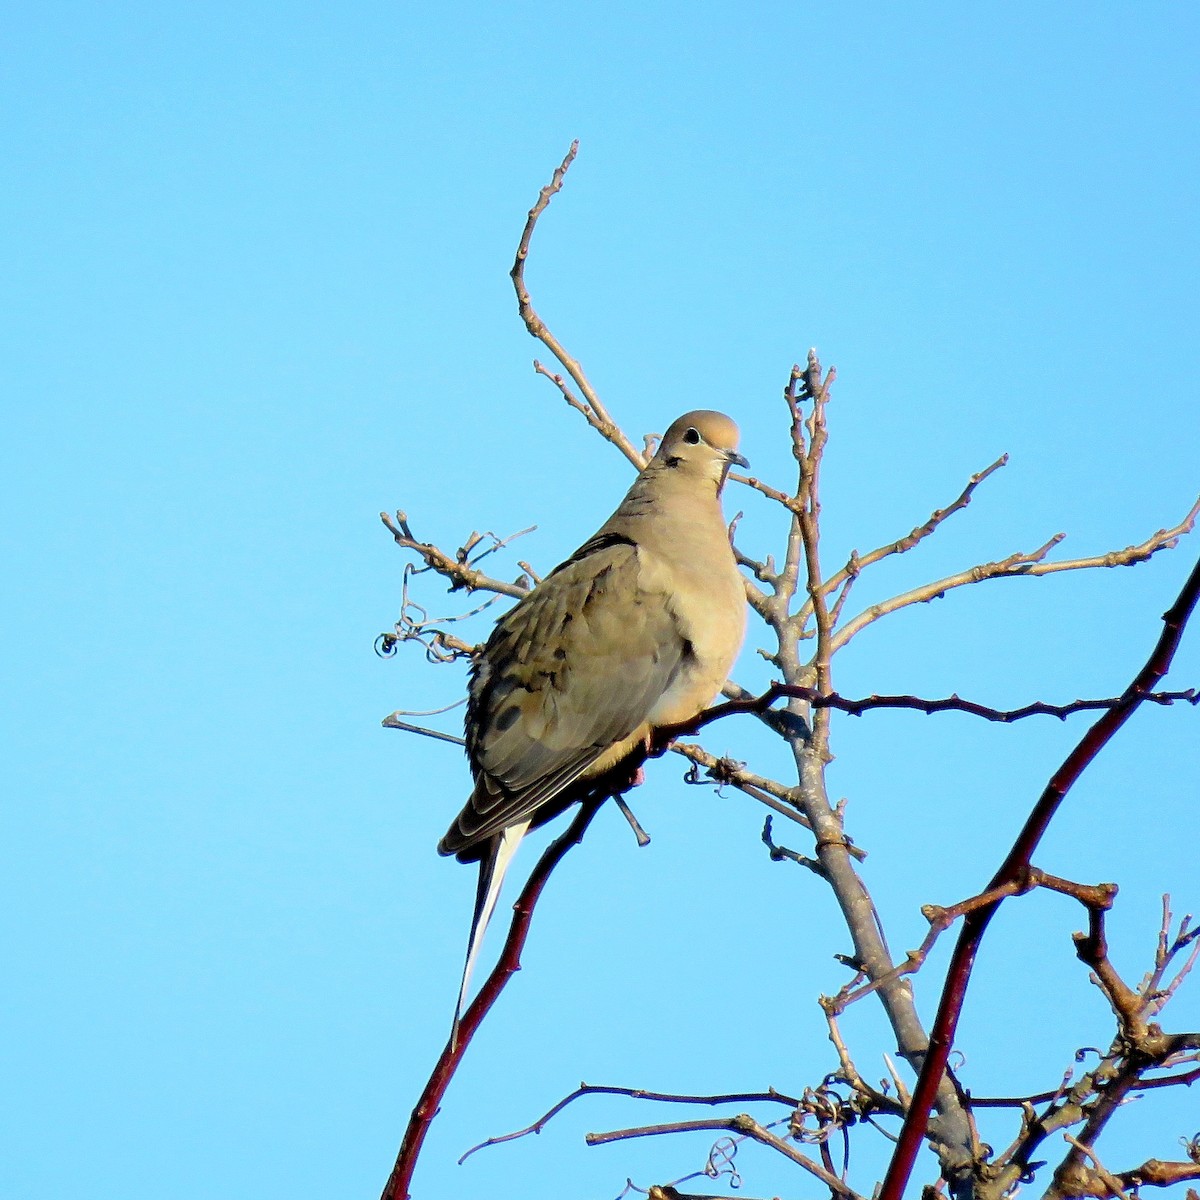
507	718
597	587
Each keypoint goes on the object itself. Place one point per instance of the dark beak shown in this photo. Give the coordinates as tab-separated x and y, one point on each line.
737	460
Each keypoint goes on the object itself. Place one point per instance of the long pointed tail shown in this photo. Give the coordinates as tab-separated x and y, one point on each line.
492	868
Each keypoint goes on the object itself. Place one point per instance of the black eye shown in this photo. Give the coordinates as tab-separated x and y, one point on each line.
692	437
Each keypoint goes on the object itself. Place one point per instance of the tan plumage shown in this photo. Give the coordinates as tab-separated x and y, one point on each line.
637	629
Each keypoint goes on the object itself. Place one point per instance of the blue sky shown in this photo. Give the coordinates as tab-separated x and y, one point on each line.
257	264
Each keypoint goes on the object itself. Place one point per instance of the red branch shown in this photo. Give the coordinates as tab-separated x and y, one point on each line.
954	703
959	973
855	708
509	964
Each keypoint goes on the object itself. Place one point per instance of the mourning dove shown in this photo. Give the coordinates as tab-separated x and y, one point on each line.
636	630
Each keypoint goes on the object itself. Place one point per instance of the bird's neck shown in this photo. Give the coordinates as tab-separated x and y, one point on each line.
676	502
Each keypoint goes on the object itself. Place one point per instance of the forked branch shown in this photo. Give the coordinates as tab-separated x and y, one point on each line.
1018	861
591	407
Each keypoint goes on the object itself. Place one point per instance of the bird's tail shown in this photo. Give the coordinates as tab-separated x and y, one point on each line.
492	868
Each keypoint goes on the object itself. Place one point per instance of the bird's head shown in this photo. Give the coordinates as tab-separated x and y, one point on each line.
702	443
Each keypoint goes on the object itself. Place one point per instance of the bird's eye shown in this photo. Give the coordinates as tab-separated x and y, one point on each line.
691	436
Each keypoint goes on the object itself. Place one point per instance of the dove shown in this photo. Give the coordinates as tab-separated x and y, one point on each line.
638	629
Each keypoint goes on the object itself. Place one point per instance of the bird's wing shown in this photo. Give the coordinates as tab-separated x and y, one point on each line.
573	670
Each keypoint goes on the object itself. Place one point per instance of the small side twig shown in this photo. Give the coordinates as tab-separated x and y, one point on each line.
394	722
721	771
1111	1185
857	562
460	573
590	1089
782	853
743	1124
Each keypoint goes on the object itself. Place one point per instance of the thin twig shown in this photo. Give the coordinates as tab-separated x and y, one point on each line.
590	1089
592	408
778	691
857	561
1183	1079
394	722
740	1124
782	853
776	796
459	573
1028	564
940	919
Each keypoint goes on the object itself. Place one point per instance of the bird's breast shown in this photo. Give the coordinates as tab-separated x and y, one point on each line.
708	603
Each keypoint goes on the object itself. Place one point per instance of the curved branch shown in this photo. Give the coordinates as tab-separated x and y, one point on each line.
509	963
593	410
1018	860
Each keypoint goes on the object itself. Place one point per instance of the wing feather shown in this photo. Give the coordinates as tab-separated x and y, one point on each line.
574	669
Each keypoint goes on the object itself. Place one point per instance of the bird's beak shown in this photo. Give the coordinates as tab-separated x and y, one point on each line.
737	460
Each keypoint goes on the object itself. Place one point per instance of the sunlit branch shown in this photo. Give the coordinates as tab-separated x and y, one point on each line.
958	975
1029	564
593	410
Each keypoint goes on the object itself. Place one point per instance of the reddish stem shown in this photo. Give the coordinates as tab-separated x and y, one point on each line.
508	965
1018	860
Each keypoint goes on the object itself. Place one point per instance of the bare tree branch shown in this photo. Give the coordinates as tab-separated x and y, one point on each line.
1021	564
454	568
777	797
1017	861
394	722
1156	1173
940	919
740	1124
802	606
856	563
589	1089
779	691
593	410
